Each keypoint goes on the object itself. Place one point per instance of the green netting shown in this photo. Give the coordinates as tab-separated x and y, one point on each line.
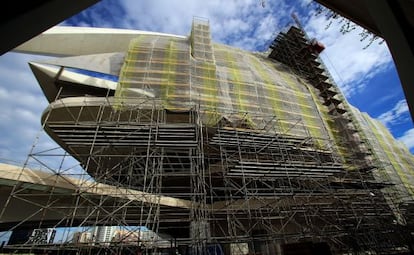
307	108
156	67
168	87
270	91
123	84
223	81
391	154
242	87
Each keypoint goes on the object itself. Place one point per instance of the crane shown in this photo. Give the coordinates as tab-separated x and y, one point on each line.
314	45
297	21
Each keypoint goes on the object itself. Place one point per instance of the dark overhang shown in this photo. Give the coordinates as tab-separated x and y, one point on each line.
23	20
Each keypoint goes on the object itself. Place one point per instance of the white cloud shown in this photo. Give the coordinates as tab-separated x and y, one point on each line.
401	107
395	115
408	138
26	99
21	105
354	65
242	23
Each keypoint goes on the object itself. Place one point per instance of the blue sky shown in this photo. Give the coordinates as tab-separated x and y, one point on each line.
367	77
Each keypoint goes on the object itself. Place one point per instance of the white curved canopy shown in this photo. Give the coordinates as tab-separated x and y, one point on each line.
74	41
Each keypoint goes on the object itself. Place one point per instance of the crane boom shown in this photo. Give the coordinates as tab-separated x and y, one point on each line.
314	45
297	21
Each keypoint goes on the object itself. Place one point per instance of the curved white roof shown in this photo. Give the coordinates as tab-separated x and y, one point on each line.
74	41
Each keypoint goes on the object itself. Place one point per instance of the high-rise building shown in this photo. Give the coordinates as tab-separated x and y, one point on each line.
104	234
252	152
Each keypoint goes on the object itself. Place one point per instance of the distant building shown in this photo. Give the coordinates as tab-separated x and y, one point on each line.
145	239
82	237
104	234
125	236
35	236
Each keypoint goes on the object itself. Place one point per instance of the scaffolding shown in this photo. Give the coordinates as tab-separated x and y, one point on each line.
208	149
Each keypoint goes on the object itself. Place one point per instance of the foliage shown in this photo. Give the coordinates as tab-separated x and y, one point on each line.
346	25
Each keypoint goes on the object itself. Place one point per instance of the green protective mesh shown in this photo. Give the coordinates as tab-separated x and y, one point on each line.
224	82
251	91
156	67
395	161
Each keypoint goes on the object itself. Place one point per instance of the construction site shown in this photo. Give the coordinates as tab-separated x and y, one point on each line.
201	148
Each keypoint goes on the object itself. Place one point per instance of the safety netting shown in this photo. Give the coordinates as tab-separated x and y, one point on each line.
249	90
226	83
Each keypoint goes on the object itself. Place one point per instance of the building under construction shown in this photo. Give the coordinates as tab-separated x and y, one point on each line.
219	150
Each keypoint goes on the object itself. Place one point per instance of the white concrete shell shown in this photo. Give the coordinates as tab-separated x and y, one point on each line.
74	41
47	75
106	63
